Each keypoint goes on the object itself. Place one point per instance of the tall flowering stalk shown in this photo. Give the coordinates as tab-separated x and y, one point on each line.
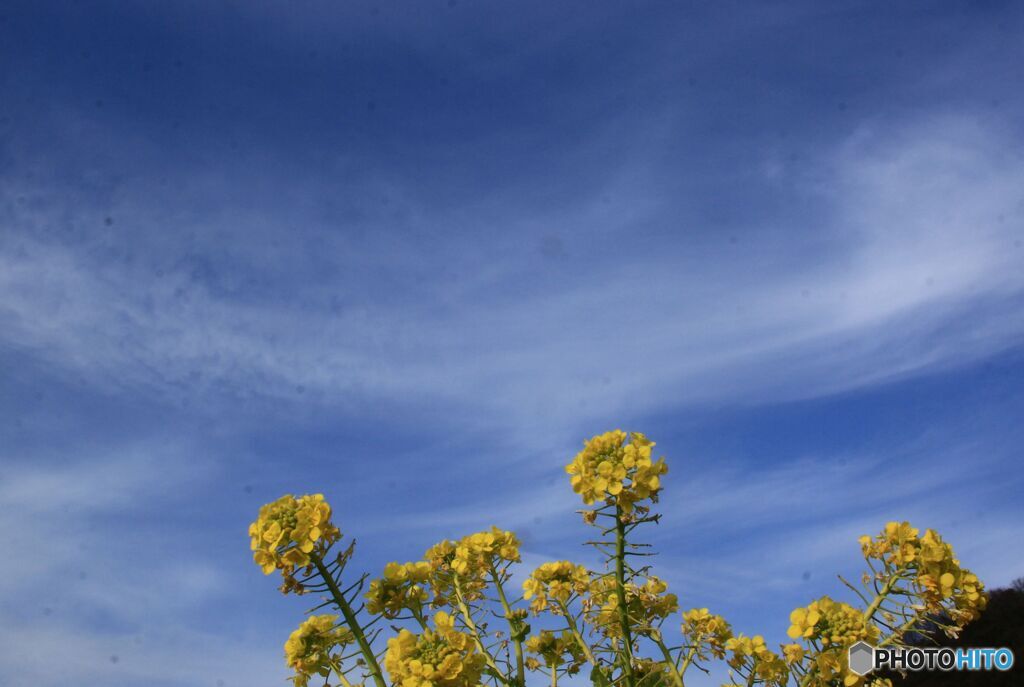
610	622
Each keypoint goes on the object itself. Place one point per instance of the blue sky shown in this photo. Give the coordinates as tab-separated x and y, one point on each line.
411	254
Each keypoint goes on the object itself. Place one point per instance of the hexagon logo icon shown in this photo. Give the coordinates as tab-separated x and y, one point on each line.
861	658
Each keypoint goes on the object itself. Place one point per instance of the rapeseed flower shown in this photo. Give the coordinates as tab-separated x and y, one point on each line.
554	649
706	631
311	649
752	656
941	582
555	581
483	552
288	530
608	469
793	653
469	562
646	605
443	657
830	622
403	587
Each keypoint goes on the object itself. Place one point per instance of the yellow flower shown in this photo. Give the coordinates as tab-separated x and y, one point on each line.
608	469
310	649
471	561
646	605
803	621
829	668
751	656
403	587
288	531
443	657
440	555
942	584
651	672
832	622
794	653
482	552
708	632
555	581
554	649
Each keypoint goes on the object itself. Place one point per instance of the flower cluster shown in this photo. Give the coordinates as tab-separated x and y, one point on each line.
834	626
831	623
309	649
443	657
942	583
646	605
555	582
483	552
647	672
440	555
608	468
609	620
472	559
898	544
793	653
554	650
751	657
831	667
288	530
403	587
706	633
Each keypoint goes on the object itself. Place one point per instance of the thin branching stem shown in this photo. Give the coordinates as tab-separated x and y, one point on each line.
351	621
620	591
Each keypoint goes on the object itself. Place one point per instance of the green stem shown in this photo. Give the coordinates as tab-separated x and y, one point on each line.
517	639
341	676
869	614
898	633
350	620
468	619
676	675
574	628
620	590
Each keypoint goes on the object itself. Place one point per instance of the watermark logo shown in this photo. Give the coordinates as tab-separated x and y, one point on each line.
864	658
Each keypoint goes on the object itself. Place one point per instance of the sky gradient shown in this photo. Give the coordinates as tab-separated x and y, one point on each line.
411	254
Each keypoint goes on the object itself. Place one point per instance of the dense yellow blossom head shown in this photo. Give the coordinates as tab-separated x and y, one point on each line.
470	563
646	605
793	653
609	469
707	632
554	649
556	582
648	671
288	530
443	657
750	656
941	582
312	649
830	668
483	552
830	622
402	588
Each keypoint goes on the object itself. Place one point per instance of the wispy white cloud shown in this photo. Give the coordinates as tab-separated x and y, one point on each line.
629	238
914	267
44	653
108	587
